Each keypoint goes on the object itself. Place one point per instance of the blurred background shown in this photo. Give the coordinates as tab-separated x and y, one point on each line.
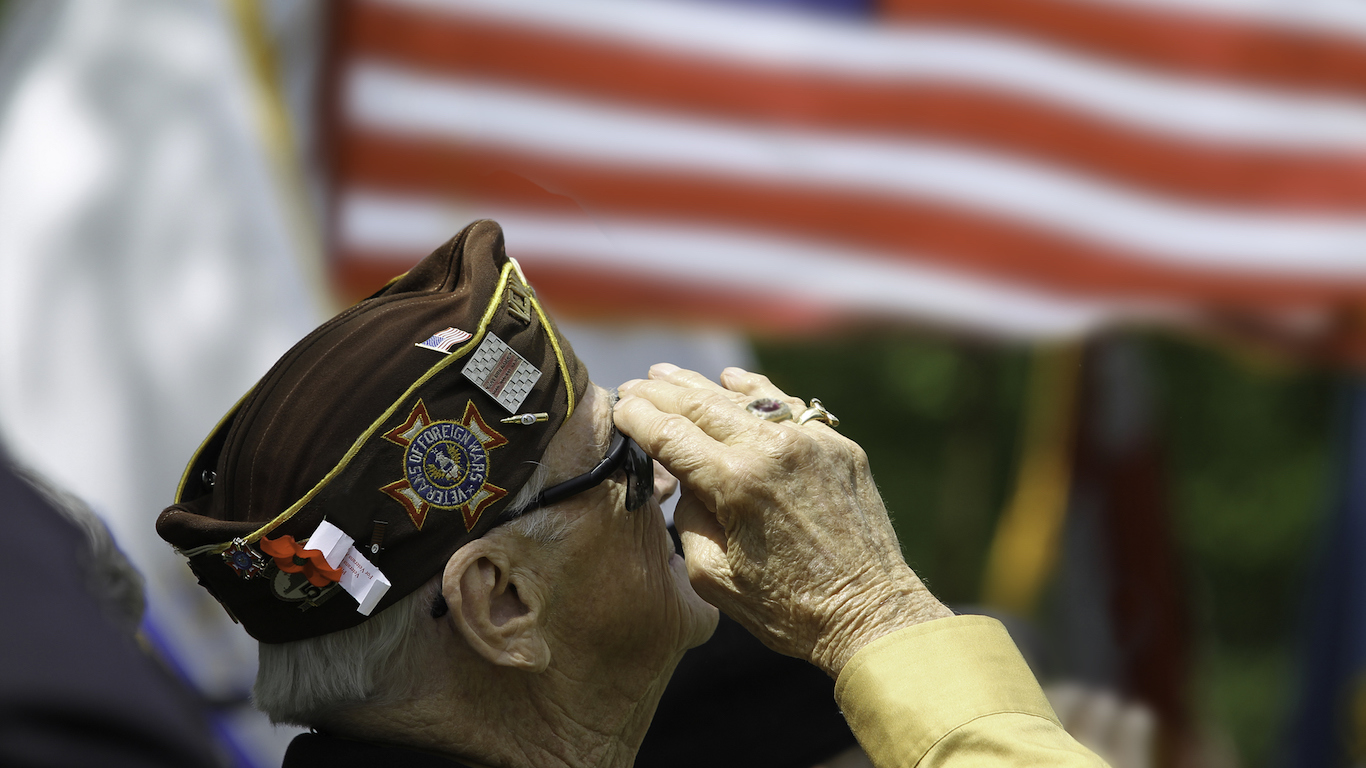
1087	279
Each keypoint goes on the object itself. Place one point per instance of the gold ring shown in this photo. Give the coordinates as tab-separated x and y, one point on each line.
818	412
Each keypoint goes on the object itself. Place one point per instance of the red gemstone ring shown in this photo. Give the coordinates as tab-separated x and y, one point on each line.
769	409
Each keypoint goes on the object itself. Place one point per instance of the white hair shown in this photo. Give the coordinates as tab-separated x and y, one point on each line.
305	681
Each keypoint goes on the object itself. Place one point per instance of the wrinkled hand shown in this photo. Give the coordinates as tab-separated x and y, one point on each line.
782	525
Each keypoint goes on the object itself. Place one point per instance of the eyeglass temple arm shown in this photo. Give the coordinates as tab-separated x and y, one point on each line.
575	485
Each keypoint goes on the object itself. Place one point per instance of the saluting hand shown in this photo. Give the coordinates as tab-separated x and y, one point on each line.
782	525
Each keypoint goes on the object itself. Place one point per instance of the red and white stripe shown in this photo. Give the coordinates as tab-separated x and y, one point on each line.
961	163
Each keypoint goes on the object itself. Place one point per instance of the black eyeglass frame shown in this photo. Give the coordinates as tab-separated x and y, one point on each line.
622	453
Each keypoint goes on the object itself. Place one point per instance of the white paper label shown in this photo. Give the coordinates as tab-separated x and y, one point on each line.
363	581
359	577
330	541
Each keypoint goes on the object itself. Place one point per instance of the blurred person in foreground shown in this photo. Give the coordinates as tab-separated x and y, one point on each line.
76	688
449	543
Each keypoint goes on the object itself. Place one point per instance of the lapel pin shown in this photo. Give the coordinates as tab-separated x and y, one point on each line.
377	536
243	560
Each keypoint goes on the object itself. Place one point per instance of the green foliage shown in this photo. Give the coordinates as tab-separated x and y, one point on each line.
1252	451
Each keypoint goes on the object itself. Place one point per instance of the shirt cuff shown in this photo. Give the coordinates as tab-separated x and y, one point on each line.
905	691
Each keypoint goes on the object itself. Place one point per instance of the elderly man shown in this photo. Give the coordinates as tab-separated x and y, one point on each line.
452	552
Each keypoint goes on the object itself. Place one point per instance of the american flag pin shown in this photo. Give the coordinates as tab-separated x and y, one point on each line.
442	341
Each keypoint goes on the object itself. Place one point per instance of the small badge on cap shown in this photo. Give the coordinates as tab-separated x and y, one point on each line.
505	375
526	419
446	465
377	536
246	562
296	588
442	341
519	301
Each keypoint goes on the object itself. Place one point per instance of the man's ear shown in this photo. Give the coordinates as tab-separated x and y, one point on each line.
499	615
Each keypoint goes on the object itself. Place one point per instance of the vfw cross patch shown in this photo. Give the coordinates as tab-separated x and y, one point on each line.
445	465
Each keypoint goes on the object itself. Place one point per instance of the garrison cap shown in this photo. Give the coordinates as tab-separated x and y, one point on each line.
380	444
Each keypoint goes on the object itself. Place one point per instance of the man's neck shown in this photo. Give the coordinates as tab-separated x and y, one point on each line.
512	719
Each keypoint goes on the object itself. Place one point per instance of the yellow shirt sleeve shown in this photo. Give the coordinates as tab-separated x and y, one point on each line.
952	693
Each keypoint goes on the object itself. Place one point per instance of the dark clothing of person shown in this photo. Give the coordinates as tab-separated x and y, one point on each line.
318	750
75	688
734	702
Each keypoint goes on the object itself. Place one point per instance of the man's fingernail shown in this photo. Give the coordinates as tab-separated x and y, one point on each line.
627	386
662	368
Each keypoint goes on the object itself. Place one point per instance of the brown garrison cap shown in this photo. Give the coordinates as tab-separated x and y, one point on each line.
407	423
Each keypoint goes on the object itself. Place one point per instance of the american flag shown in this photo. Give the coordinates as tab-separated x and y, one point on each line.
442	341
1027	168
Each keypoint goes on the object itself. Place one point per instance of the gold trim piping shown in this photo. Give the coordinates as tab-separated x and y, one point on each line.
554	343
388	412
194	459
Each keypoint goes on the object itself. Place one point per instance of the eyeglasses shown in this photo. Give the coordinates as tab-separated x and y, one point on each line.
622	453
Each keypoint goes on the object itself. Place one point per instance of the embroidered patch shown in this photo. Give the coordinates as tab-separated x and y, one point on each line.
498	370
445	466
442	341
